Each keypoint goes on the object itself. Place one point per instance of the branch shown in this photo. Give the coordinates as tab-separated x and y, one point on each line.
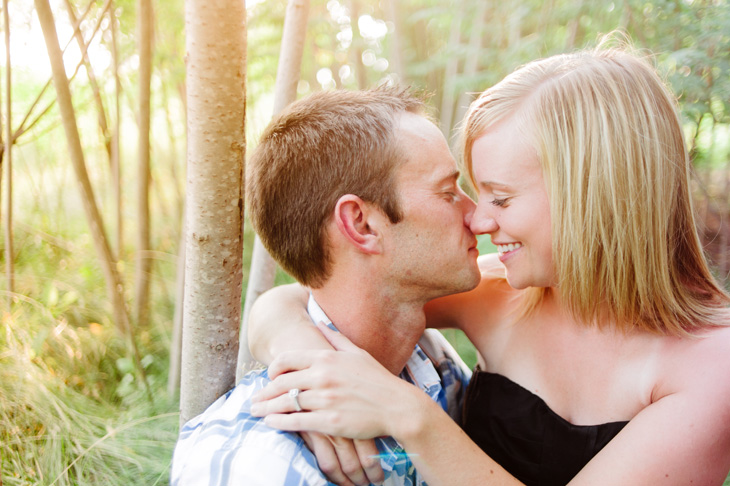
22	128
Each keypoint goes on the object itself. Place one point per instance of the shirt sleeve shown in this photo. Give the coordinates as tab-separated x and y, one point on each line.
226	446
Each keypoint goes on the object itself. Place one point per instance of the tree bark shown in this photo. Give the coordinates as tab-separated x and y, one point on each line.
143	264
263	267
8	162
216	57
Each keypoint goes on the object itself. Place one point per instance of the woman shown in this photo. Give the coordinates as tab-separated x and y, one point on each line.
604	339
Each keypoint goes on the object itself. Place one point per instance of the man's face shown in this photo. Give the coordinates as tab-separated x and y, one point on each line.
432	250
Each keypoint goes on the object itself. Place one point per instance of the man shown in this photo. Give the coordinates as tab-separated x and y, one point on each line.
349	191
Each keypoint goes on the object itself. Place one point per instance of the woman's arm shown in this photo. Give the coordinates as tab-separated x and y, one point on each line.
343	395
279	319
682	437
279	322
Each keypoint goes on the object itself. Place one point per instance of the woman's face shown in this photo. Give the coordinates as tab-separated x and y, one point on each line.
513	206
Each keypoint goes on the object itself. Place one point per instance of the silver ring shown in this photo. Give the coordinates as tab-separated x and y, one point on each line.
294	393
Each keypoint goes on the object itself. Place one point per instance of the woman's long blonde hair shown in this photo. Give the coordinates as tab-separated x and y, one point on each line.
608	135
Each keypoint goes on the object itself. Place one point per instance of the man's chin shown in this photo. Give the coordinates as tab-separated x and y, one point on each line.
468	282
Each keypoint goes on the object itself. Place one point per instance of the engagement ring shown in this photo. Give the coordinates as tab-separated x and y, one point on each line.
294	393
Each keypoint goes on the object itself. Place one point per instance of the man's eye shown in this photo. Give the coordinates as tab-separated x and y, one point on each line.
498	202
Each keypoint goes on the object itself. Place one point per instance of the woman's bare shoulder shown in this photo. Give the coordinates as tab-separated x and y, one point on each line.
699	364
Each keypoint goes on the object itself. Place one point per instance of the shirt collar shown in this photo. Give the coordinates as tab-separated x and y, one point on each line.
419	370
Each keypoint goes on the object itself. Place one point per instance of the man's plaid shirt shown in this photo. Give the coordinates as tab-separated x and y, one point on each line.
226	446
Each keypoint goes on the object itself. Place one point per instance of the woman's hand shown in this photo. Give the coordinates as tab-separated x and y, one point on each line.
343	393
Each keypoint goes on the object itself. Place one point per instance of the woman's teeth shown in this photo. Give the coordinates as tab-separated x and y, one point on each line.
502	249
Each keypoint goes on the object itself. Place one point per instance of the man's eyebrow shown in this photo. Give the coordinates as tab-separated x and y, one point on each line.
453	176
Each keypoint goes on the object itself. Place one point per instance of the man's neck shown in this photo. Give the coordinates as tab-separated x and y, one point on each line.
374	320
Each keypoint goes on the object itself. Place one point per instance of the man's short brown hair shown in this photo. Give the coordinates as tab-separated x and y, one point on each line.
318	149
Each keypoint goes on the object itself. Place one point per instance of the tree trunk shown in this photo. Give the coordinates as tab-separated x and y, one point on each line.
101	112
263	267
396	50
216	57
175	181
68	116
471	63
143	263
452	70
173	373
357	44
2	150
116	170
24	125
8	162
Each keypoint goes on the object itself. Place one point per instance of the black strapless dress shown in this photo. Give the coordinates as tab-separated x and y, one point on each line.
517	429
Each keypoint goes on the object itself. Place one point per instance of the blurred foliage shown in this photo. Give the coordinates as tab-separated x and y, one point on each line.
71	410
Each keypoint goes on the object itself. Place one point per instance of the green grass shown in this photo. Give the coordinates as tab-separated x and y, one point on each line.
71	411
66	416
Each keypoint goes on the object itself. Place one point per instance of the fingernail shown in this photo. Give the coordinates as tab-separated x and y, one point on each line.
256	409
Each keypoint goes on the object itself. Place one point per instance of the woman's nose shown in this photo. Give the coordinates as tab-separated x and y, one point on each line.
482	221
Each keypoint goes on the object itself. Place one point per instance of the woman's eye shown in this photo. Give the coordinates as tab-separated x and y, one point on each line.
498	202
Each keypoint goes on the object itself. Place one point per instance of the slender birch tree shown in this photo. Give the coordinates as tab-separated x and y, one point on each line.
8	163
95	90
471	64
143	263
357	46
263	267
173	374
451	72
216	64
114	286
116	167
396	51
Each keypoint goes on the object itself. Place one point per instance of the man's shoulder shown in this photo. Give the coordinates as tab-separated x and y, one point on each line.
234	404
227	442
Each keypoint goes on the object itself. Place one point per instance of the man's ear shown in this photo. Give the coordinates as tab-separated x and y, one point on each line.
357	222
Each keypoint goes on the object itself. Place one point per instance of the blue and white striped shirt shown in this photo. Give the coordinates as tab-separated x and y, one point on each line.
226	446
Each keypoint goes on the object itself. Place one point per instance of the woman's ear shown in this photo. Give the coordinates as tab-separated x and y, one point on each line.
357	222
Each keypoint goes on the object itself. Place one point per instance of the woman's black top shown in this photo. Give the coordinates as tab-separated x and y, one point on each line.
517	429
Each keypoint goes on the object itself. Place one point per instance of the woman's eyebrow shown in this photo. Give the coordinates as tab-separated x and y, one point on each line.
492	185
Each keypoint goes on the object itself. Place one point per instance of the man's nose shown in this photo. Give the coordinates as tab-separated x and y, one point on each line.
468	208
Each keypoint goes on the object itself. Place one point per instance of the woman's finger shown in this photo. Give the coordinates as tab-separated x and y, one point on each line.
338	340
323	421
285	403
289	361
283	383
